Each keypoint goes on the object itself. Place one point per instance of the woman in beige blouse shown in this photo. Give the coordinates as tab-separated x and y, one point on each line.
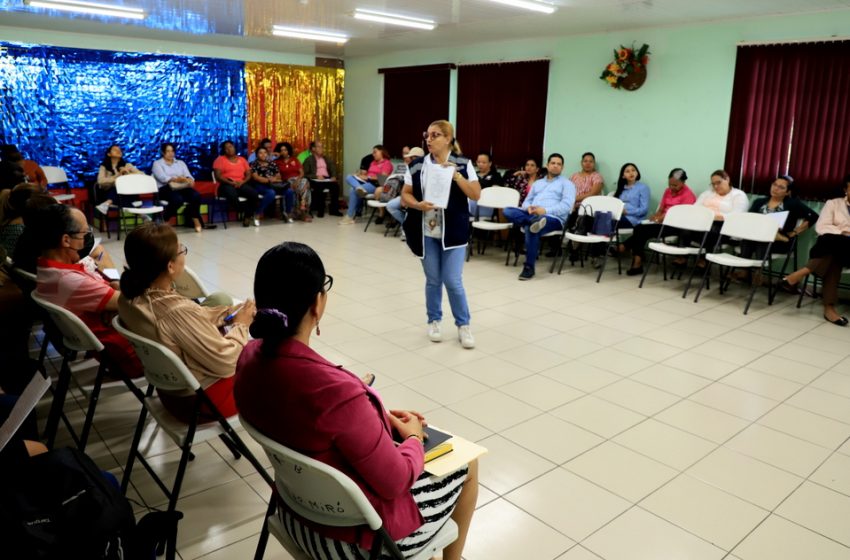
588	181
112	167
149	306
829	255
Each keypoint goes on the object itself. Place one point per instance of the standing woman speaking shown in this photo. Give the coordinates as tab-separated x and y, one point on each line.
439	235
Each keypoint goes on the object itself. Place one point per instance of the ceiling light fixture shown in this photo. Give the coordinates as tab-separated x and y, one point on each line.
88	8
311	34
543	7
394	19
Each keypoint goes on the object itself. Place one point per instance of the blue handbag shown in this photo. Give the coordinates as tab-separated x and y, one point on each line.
603	224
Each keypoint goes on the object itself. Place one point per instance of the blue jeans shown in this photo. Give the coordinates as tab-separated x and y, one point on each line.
394	208
483	212
353	199
444	267
268	195
521	217
285	190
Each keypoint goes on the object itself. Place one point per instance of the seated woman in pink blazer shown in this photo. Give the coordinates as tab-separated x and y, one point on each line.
296	397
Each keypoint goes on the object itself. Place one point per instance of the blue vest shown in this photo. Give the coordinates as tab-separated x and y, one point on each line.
455	216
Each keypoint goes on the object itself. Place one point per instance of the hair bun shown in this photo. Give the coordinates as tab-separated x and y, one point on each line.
269	323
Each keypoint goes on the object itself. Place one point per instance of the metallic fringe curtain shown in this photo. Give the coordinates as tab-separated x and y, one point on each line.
296	104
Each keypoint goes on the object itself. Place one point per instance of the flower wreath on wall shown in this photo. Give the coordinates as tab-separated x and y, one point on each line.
628	69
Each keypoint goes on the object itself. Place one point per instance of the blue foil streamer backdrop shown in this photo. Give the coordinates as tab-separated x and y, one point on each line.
65	106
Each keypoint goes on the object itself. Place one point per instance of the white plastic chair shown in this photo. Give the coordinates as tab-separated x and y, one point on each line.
746	226
306	486
688	217
165	370
375	205
57	176
497	198
134	185
190	285
75	337
598	204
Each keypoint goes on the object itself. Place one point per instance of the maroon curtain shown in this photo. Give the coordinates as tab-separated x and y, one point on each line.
414	97
501	110
791	114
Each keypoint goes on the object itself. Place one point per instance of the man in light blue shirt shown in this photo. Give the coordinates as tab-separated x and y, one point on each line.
544	210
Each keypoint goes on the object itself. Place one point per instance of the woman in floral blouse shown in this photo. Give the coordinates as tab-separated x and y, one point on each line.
522	179
265	175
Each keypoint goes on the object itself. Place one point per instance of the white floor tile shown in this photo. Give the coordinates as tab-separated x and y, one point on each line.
507	465
541	392
638	397
495	410
779	539
706	422
778	449
807	426
820	509
665	444
598	416
552	438
834	474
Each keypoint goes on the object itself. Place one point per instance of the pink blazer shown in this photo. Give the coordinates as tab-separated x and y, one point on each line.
304	402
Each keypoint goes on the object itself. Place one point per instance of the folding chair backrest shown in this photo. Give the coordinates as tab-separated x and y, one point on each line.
604	204
135	184
189	285
24	274
163	368
54	175
498	197
750	226
75	334
314	490
690	217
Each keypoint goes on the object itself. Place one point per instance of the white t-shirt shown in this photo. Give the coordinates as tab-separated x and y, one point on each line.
432	220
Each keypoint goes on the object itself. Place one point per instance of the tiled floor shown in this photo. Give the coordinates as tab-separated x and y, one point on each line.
622	423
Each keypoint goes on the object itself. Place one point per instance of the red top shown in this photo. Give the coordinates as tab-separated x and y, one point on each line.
383	167
289	168
321	410
233	170
684	196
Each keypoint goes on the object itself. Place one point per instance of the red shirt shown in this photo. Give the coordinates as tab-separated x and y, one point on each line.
233	170
85	294
684	196
301	400
289	168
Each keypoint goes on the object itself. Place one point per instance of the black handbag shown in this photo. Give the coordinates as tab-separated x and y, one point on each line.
584	220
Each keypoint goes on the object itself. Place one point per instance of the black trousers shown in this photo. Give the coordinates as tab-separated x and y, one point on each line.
176	199
232	194
318	196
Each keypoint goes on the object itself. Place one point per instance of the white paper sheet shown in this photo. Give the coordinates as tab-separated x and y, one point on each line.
23	406
780	217
438	185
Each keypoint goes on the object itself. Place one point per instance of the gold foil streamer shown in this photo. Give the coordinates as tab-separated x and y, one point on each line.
296	104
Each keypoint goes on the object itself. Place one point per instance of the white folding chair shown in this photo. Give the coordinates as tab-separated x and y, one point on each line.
57	176
683	217
75	337
375	205
497	198
309	487
165	370
189	285
746	226
597	204
134	185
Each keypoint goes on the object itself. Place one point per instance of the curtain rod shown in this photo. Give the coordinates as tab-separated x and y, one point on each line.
541	59
793	41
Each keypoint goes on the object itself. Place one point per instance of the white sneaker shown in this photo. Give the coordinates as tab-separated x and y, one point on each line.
538	225
346	220
434	332
256	222
103	208
464	334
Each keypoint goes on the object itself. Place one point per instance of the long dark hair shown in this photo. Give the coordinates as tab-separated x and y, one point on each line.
621	182
147	250
107	161
286	282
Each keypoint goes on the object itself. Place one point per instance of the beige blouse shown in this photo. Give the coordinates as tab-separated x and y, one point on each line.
834	218
189	330
106	179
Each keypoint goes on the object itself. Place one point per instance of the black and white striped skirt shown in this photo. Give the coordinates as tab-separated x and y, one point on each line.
435	496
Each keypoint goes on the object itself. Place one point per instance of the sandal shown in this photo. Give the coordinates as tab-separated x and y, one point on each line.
368	379
841	321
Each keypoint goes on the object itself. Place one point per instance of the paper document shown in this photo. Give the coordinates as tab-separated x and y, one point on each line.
463	451
438	185
780	217
23	406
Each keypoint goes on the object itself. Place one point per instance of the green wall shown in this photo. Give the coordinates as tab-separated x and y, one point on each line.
679	118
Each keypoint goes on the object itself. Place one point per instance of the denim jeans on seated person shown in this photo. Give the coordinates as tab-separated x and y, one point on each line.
483	212
521	217
444	267
353	199
394	208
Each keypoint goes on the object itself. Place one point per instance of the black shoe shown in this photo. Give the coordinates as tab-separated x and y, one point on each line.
841	321
210	226
634	271
527	273
338	214
789	288
379	220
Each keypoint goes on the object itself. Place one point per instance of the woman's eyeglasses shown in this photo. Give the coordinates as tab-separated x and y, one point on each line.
184	250
328	283
432	135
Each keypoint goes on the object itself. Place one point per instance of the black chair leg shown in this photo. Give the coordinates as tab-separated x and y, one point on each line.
264	532
93	398
134	445
704	280
56	408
